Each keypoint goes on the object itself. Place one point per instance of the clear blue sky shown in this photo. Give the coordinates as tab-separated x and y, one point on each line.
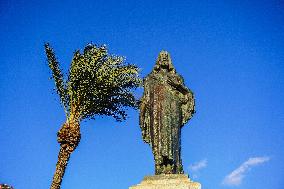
231	54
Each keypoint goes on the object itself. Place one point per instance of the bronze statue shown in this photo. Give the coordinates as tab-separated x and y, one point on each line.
165	107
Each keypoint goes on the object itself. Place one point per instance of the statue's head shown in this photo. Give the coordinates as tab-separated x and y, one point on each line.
164	62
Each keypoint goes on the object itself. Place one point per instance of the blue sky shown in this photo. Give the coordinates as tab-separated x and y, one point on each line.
230	54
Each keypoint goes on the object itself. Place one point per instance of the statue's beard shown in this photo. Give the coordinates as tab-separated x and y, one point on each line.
165	65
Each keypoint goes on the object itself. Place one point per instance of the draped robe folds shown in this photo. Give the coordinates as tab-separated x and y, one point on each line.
165	107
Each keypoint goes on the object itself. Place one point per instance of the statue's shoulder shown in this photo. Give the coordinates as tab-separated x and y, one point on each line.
151	77
176	75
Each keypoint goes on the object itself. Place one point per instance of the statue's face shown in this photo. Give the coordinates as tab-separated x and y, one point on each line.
164	60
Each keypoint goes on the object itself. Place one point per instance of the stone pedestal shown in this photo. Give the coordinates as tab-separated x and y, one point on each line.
171	181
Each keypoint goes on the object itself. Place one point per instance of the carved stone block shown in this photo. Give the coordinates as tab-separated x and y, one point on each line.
168	181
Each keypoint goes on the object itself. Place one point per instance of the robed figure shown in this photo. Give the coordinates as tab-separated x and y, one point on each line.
167	104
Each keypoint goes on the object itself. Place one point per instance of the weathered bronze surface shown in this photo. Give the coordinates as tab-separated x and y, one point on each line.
167	104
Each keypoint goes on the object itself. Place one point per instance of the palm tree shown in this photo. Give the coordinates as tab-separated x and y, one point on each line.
97	84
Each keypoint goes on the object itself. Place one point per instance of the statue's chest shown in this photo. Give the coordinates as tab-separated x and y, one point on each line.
163	92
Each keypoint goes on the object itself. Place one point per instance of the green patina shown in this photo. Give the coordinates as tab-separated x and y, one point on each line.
167	104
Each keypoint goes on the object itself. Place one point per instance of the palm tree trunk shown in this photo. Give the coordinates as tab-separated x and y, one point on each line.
61	165
69	137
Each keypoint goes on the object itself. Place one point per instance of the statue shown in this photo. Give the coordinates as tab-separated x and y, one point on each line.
165	107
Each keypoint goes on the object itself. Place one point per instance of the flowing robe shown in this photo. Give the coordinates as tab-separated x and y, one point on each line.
165	107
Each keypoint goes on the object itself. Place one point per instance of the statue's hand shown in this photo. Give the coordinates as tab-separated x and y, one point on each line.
178	86
173	83
170	82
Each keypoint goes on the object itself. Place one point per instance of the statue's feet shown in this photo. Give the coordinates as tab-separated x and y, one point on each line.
165	169
158	170
180	169
168	169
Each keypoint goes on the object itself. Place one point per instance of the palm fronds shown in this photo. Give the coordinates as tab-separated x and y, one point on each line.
98	83
57	75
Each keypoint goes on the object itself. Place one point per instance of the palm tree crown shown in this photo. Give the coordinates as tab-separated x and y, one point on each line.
97	83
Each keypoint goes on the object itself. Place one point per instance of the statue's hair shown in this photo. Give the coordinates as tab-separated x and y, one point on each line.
169	61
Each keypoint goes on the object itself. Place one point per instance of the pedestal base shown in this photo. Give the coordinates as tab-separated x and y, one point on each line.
171	181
